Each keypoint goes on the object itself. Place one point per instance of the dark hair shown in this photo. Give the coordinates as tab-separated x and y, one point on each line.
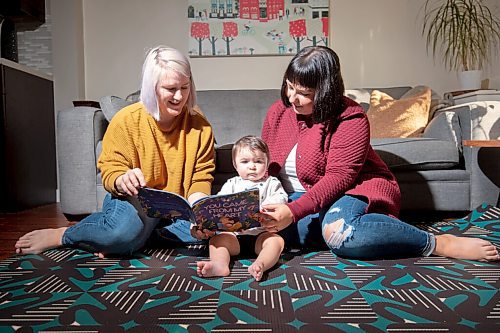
318	68
251	142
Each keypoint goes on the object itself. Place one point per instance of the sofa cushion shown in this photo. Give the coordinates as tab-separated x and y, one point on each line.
397	153
235	113
445	126
98	150
224	168
223	158
134	97
362	95
110	105
405	117
417	153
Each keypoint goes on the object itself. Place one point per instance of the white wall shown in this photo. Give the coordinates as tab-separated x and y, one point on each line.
119	32
379	44
67	52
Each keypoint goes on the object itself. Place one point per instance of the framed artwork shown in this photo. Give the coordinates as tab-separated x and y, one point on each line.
221	28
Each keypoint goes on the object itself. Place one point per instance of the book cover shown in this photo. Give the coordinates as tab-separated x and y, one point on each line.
228	212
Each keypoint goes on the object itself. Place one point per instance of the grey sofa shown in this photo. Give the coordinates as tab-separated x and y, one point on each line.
435	172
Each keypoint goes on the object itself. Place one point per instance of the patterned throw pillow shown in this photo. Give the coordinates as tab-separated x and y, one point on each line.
402	118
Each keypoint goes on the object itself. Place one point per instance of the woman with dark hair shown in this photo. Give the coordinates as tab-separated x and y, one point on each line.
340	191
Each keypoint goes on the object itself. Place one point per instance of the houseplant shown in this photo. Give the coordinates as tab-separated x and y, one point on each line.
465	32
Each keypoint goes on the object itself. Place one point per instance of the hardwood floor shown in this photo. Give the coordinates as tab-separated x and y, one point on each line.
14	225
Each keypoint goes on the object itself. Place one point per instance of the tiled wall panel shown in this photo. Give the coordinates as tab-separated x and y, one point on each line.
35	47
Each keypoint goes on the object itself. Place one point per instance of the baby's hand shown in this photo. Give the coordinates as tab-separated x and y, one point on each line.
262	217
202	234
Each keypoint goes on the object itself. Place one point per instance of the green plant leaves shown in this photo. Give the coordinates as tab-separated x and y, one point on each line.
464	32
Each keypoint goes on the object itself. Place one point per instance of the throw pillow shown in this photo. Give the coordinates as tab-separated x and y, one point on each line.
402	118
134	97
111	105
360	96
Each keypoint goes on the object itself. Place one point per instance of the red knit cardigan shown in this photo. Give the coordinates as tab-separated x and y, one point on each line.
346	165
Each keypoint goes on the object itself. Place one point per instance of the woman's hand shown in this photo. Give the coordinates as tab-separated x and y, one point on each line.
130	182
281	216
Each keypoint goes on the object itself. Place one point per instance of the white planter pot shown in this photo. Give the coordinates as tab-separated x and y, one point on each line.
470	80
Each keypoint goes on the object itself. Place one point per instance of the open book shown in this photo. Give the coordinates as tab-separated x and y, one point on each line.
227	212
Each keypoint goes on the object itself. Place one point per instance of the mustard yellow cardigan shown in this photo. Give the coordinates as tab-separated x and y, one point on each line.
180	160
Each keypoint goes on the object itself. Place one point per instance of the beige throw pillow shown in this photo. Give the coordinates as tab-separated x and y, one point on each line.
402	118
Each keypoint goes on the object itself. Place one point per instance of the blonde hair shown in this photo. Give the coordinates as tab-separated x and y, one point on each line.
155	66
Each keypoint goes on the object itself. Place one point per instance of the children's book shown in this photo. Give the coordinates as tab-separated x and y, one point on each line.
226	212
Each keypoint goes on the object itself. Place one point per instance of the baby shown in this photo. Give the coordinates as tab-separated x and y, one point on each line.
250	158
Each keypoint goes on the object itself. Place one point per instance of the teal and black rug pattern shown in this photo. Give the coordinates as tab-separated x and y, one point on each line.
69	290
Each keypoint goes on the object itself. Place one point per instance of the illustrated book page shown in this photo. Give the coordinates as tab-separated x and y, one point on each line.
227	212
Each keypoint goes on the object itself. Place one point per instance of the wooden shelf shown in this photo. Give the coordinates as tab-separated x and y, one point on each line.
481	143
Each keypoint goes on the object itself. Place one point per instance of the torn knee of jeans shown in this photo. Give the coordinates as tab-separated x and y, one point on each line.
336	233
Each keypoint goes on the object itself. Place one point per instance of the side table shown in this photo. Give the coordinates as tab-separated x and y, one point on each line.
488	159
468	96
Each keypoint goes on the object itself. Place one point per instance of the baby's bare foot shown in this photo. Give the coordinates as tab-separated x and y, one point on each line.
211	268
465	248
256	270
37	241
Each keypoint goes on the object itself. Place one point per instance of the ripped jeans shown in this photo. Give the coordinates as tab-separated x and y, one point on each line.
358	234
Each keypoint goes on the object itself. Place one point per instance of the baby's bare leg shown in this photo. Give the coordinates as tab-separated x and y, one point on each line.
268	247
221	248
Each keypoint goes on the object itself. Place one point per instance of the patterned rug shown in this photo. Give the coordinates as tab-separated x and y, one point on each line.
69	290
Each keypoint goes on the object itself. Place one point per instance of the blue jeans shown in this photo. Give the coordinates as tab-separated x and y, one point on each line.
123	228
361	235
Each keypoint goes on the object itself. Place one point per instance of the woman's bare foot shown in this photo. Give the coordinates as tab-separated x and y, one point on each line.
465	248
256	270
211	268
37	241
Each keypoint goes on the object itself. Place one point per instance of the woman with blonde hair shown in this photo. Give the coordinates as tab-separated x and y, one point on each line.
162	142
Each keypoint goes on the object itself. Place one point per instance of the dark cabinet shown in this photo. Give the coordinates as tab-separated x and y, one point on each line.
26	14
27	142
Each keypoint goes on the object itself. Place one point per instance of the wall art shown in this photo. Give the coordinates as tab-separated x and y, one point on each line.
220	28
